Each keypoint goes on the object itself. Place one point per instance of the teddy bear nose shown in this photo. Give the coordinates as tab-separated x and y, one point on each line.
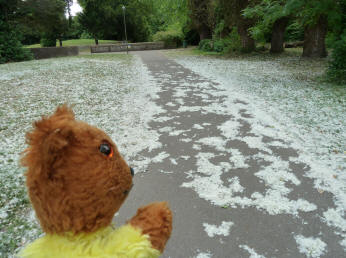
132	172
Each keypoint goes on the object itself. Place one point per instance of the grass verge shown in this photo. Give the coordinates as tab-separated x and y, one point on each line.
77	42
96	84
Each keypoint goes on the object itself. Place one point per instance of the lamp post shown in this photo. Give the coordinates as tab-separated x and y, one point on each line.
127	45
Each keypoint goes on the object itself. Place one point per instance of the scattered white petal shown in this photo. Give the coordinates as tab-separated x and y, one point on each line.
311	247
214	230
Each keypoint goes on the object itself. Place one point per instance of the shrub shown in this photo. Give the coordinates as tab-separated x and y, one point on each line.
225	45
48	40
10	47
219	45
233	41
206	45
294	32
192	36
201	43
86	35
172	37
337	66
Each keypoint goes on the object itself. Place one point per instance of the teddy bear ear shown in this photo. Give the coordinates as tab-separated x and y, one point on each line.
48	154
48	139
53	146
63	112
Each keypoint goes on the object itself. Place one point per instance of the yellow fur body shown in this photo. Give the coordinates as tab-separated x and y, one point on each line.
123	242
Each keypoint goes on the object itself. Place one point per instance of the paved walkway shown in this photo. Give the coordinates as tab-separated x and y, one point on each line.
273	215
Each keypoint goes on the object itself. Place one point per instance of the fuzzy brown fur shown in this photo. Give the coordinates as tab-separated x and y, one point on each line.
155	220
76	188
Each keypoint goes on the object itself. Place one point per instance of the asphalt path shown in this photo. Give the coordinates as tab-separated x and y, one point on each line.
268	234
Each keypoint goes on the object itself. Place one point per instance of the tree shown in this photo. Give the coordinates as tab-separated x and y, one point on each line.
201	12
10	47
68	4
232	14
104	19
92	18
337	41
315	16
49	17
168	13
272	17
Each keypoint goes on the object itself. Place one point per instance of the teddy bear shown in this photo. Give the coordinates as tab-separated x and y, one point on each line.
77	180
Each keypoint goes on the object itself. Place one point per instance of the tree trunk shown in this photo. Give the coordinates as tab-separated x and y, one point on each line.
96	41
204	32
278	32
225	32
60	42
314	39
243	26
248	43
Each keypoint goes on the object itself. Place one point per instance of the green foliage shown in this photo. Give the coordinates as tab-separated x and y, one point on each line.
30	34
337	66
48	16
309	11
191	36
104	19
75	29
234	41
167	13
231	43
220	45
201	13
169	22
219	28
306	12
206	45
48	40
266	12
294	31
172	37
11	50
86	35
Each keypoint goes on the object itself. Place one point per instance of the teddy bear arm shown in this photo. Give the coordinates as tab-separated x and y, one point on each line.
154	220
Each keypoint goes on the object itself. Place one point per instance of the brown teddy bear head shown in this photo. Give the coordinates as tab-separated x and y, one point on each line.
76	177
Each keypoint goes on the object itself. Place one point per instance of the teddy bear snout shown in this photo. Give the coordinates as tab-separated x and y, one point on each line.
126	192
132	172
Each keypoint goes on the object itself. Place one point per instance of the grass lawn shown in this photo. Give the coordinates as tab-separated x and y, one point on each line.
290	88
104	91
77	42
311	69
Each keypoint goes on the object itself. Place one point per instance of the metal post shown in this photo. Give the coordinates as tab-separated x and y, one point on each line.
127	45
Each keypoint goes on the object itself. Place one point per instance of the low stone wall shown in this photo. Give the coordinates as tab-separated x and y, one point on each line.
84	48
49	52
122	47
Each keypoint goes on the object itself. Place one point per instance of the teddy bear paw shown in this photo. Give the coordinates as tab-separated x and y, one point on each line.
154	220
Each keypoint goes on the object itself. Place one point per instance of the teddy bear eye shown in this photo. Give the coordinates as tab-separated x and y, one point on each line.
106	149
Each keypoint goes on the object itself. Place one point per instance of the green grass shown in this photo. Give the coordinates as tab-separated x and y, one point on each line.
52	82
312	69
77	42
107	56
194	51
